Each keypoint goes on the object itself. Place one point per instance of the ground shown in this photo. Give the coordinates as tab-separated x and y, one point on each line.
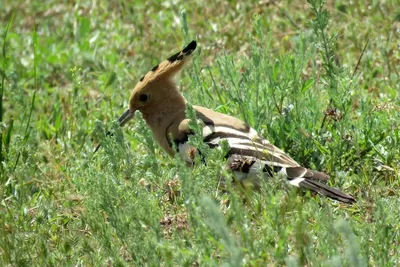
319	81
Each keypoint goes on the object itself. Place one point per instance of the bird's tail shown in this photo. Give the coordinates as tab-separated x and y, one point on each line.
327	191
246	167
322	189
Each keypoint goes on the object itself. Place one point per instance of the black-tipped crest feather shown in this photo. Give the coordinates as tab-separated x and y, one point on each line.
169	67
185	52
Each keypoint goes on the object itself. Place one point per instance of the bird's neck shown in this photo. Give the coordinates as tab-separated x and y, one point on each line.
161	117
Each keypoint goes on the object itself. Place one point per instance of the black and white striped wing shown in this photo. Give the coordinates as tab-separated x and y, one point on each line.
249	156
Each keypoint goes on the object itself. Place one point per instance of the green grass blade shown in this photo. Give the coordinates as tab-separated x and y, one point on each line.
3	76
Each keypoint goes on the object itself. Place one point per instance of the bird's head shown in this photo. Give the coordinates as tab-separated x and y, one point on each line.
157	87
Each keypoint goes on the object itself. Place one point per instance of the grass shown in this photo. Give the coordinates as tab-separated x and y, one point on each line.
286	68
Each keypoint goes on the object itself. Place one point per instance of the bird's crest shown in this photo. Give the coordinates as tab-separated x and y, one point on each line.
169	67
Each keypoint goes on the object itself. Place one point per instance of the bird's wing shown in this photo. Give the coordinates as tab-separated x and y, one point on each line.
250	155
248	152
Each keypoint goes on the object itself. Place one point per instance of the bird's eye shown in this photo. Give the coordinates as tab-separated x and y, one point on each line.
143	98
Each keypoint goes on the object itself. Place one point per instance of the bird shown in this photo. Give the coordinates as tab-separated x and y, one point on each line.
163	107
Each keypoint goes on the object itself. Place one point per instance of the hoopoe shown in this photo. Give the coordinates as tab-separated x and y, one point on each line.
163	107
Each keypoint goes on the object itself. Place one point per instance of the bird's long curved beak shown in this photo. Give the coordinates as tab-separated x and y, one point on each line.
125	117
